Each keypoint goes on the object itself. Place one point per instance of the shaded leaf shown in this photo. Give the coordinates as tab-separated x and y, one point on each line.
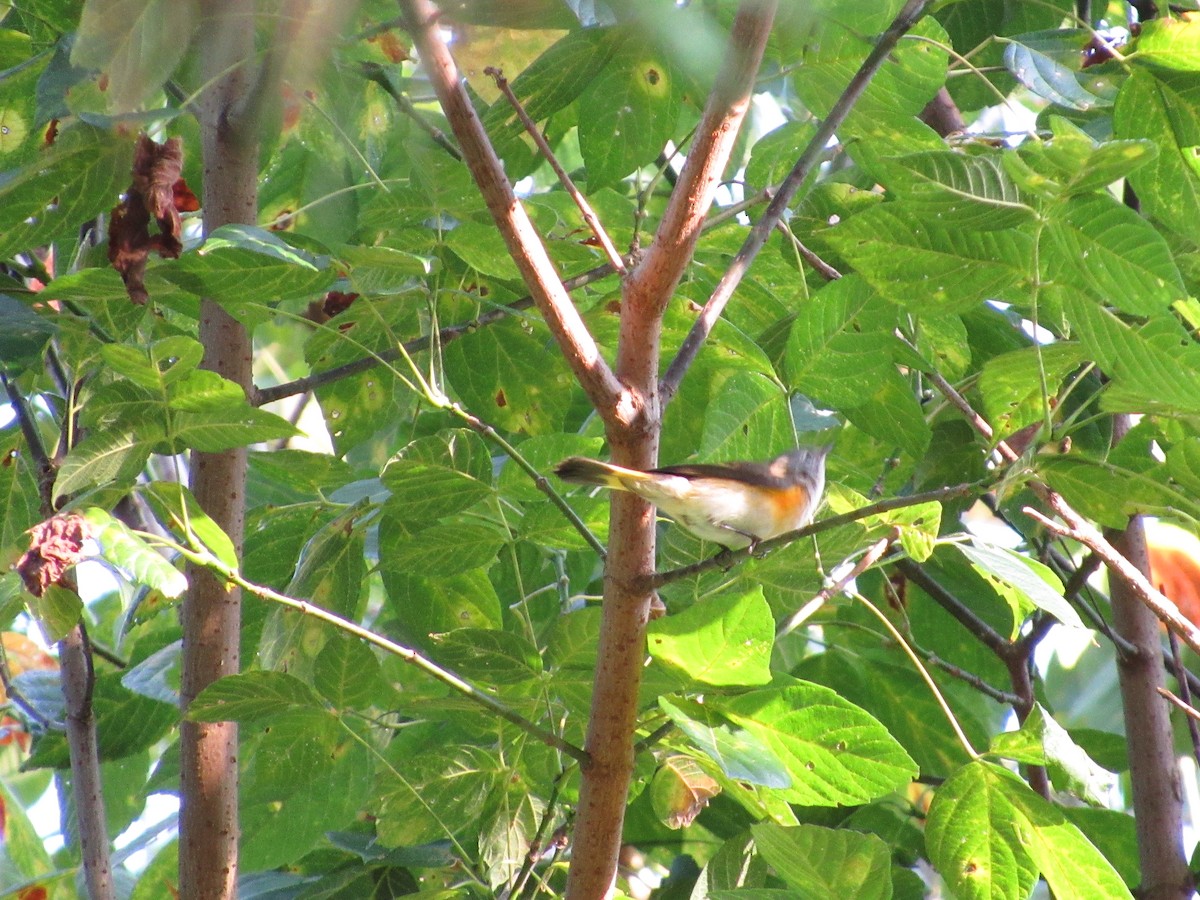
680	791
252	696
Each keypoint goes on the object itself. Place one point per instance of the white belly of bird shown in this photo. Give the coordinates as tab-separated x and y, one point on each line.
730	512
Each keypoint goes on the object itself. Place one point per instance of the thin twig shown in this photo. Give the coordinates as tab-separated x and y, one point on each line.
445	335
609	397
375	72
869	558
924	673
756	239
18	699
822	268
1185	694
42	464
1193	714
585	208
975	681
535	842
540	481
445	676
727	558
1075	527
982	631
653	282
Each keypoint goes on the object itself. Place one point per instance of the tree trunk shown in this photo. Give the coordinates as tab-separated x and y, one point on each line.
208	855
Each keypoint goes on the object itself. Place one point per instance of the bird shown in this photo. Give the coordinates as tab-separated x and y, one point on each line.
735	504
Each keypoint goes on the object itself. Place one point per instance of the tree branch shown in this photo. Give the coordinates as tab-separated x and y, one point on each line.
1153	772
445	676
654	280
77	679
727	558
585	208
608	396
211	613
905	19
873	554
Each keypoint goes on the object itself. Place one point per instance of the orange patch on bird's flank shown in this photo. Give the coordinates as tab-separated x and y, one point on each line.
787	503
1176	573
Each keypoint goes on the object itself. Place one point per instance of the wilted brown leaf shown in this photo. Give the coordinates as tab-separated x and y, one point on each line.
54	546
157	192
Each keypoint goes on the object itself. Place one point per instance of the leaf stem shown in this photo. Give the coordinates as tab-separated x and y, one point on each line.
924	673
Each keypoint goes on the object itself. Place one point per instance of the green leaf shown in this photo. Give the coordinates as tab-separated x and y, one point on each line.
57	611
835	752
899	698
23	848
989	836
1041	741
915	71
130	553
241	267
438	476
482	248
222	429
828	355
425	606
970	191
1154	368
252	696
347	673
723	641
100	459
331	569
736	865
1048	64
384	270
158	675
19	504
126	724
136	43
1168	42
434	796
177	507
504	841
510	378
824	862
1102	246
1072	162
927	266
1164	108
78	178
446	548
24	335
498	657
307	774
741	755
547	85
1021	581
747	418
627	114
1012	387
680	790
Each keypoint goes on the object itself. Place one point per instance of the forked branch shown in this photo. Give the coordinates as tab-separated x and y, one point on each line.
608	396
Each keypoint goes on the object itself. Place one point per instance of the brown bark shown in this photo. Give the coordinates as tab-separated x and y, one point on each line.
75	659
1153	768
208	857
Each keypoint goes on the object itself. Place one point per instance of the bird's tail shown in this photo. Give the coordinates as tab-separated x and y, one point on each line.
579	470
